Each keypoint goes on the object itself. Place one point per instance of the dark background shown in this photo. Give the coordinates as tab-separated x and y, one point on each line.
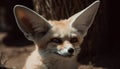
101	45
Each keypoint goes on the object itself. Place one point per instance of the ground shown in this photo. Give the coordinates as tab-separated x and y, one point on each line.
16	55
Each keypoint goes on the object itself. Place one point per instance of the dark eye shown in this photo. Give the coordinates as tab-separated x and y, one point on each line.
56	40
74	40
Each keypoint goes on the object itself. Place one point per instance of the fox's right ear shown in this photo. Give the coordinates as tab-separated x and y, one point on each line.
30	22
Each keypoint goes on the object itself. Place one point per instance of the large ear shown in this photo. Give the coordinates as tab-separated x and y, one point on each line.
30	22
83	20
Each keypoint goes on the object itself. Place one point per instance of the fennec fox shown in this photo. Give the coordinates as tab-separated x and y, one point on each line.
57	43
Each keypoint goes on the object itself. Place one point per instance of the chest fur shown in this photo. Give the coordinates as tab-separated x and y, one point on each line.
36	61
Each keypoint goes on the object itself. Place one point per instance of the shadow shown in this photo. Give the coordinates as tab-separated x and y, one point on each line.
14	36
104	51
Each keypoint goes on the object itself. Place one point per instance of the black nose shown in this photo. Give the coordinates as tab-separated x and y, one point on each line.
71	50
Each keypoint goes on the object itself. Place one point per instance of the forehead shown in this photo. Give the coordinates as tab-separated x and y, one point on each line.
62	29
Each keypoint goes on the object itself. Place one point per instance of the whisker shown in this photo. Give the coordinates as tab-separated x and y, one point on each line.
77	49
51	49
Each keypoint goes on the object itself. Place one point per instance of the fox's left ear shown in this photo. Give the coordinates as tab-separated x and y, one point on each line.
83	20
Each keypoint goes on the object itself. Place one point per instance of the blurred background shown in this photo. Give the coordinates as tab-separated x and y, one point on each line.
101	47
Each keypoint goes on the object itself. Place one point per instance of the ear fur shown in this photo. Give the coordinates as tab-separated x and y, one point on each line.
83	20
29	21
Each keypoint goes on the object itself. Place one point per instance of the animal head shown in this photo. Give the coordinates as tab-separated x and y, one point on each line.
58	37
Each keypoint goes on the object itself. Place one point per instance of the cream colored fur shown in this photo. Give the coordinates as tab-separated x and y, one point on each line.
57	43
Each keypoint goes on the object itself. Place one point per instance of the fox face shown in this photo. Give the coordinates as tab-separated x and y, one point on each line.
62	37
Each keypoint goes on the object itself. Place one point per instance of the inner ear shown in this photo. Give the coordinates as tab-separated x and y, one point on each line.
27	26
84	19
29	21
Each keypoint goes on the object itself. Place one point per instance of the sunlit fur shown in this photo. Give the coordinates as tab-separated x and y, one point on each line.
43	56
57	43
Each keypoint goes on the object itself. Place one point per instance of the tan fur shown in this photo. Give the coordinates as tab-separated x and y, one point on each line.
37	59
57	43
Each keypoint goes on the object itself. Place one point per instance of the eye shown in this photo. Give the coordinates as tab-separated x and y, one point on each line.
56	40
74	40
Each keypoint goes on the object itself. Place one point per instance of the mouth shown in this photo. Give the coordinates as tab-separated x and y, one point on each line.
67	55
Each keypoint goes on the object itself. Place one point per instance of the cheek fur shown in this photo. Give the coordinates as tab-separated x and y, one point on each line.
60	47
